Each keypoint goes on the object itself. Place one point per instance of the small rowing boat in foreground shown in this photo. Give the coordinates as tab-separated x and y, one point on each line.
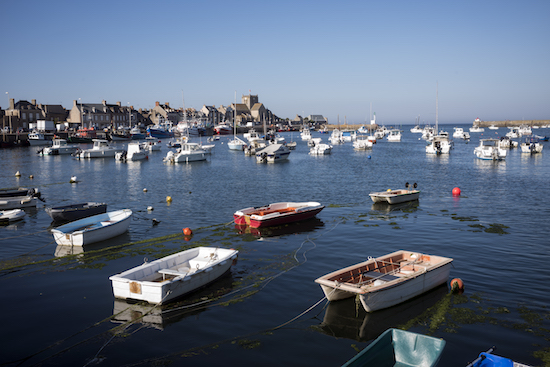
387	280
277	213
397	347
10	216
487	359
93	229
396	196
173	276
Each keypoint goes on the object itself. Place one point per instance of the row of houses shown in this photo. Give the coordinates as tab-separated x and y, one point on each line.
25	115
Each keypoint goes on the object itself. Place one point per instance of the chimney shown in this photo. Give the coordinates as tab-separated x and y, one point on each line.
157	104
33	101
12	104
167	103
104	102
118	104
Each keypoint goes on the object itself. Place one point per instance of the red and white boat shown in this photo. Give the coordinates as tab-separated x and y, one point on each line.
223	129
277	213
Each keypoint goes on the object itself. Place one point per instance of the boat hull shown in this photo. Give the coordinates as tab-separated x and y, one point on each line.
395	196
69	213
387	280
165	279
9	216
276	214
18	202
93	229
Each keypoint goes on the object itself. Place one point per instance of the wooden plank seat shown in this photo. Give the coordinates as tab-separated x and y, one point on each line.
379	276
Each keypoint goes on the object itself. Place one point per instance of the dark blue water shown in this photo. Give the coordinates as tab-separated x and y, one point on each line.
59	310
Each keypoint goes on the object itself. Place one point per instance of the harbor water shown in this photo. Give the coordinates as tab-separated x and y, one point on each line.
58	307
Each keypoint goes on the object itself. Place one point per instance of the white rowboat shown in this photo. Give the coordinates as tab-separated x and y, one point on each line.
173	276
92	229
387	280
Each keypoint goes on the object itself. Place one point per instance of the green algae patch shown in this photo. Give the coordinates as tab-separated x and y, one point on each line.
497	228
465	219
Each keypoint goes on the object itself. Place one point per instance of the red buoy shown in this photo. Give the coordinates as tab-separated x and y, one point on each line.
187	231
456	191
457	285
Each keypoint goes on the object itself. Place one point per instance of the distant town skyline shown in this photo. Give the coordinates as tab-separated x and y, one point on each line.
334	59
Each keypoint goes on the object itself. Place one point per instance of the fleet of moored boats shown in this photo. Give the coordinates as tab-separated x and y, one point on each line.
378	283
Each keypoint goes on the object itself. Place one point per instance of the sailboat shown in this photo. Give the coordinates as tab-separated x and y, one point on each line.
236	143
440	143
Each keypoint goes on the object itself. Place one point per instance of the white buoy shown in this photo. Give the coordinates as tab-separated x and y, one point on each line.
17	174
144	190
73	179
149	208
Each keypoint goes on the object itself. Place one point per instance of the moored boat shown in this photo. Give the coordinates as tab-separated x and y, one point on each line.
531	145
134	152
16	202
387	280
10	216
72	212
100	149
173	276
273	153
59	146
396	196
277	213
18	191
36	138
394	135
488	359
93	229
489	149
189	152
396	347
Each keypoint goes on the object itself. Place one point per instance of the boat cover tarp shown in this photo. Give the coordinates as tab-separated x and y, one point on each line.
491	360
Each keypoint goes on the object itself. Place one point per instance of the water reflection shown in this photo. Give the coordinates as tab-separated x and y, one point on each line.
499	166
348	319
308	225
409	206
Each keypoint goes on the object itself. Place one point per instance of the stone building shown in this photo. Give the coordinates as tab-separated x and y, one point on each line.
100	115
22	114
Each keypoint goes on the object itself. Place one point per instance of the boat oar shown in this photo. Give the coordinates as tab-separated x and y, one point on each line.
481	357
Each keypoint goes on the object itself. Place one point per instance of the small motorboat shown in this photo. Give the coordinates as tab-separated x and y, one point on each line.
396	196
273	153
488	359
387	280
10	216
100	149
135	152
173	276
396	347
531	145
59	147
93	229
489	149
72	212
277	213
16	202
189	152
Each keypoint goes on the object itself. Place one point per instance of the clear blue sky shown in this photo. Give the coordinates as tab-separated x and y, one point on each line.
491	59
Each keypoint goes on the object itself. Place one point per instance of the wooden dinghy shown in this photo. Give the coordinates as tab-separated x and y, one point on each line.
397	347
387	280
92	229
396	196
69	213
173	276
277	213
16	202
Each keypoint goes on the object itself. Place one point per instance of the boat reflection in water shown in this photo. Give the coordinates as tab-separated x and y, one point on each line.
160	317
348	319
308	225
64	250
385	207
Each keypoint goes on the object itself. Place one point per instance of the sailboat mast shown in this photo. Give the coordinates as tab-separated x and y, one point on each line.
436	107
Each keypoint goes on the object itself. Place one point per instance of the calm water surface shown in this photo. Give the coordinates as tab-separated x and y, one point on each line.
59	309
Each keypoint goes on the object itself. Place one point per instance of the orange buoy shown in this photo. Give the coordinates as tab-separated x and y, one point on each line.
457	285
187	231
456	191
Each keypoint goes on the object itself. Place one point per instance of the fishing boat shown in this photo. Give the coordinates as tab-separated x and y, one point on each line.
387	280
416	129
488	359
394	135
489	149
134	152
72	212
173	276
236	143
93	229
305	134
151	144
531	145
320	149
137	134
273	153
10	216
36	138
277	213
396	347
189	152
363	142
222	129
100	149
59	146
396	196
336	137
507	143
160	131
475	126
